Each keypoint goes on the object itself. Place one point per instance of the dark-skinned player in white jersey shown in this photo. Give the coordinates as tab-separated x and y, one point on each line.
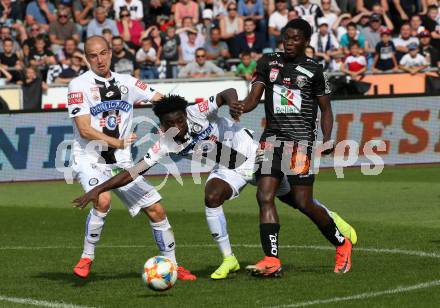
295	86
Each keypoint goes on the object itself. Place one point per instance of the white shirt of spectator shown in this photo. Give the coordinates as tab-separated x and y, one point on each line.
399	41
84	98
359	59
141	54
409	61
331	18
315	37
277	20
308	13
135	8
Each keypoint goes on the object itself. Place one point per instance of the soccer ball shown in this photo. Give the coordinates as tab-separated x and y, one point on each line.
159	273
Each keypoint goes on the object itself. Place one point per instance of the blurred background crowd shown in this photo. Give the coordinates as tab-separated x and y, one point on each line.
42	40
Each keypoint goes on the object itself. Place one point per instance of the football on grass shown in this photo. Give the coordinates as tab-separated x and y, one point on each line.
159	273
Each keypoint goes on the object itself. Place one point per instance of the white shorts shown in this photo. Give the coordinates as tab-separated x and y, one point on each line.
238	181
135	196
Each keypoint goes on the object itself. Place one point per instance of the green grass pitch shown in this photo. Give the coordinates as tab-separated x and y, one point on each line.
395	264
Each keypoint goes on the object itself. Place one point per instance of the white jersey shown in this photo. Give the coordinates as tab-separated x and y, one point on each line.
205	125
109	102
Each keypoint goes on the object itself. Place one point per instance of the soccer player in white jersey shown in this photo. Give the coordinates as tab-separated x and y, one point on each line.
101	107
198	126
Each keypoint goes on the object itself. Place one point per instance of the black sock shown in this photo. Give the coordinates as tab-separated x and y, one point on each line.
269	239
332	234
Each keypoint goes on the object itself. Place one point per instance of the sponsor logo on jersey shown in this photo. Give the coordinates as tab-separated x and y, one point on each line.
110	105
109	94
141	85
76	110
203	105
203	135
95	93
273	74
301	81
75	98
286	100
301	69
93	181
123	89
286	81
196	128
275	62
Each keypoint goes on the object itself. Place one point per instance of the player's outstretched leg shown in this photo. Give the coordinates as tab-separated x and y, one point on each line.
164	237
303	197
270	265
94	225
216	192
344	227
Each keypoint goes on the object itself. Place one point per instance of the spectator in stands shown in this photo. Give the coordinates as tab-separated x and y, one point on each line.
340	25
254	10
230	26
309	12
402	42
76	67
158	9
10	61
352	35
61	29
327	11
200	68
5	76
135	8
146	58
189	47
366	6
130	29
385	57
220	8
431	23
277	21
154	34
186	8
355	64
65	54
187	27
5	33
123	62
11	16
413	62
247	66
33	87
29	43
216	49
310	52
430	53
41	12
250	40
204	28
108	36
416	25
41	57
83	12
97	25
292	14
403	10
325	43
171	52
109	8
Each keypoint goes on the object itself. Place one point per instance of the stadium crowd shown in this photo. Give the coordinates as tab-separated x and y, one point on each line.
41	41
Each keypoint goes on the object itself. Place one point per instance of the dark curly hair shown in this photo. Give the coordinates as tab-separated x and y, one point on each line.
169	103
299	24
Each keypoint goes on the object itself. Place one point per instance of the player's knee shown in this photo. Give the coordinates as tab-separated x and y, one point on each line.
265	199
155	212
213	199
103	204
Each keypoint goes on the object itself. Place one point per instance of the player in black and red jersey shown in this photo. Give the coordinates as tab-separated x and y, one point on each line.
295	86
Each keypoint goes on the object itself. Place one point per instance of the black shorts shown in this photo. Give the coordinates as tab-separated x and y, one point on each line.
289	158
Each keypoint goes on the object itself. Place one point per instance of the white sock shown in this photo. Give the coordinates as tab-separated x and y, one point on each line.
217	225
94	224
164	237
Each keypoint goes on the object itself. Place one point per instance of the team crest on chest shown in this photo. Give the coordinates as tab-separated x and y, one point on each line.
273	74
123	89
196	128
301	81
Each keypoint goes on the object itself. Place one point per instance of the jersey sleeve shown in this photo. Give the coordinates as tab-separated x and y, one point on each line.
204	108
321	84
141	91
261	73
155	153
77	100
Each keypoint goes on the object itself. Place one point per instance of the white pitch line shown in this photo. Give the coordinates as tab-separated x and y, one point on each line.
374	250
366	295
40	303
